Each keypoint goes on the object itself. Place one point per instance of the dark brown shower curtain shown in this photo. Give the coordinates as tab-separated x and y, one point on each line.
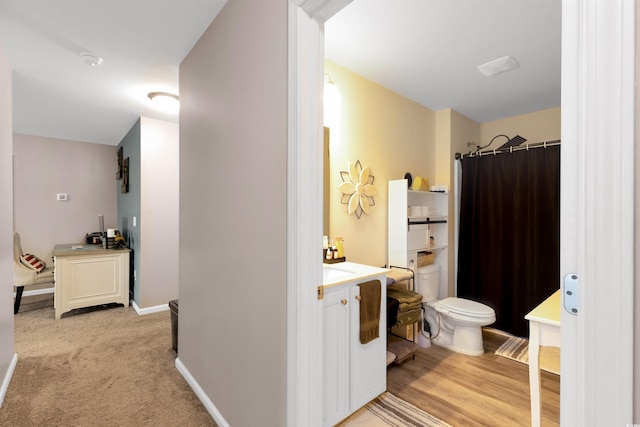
509	240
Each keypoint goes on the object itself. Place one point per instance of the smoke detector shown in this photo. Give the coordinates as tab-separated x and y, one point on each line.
90	59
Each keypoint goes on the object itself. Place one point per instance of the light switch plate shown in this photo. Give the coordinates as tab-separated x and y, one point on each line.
134	221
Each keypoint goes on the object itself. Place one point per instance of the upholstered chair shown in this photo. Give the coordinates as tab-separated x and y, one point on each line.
27	271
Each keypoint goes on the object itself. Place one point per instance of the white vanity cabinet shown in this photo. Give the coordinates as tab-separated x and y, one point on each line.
335	356
410	228
353	373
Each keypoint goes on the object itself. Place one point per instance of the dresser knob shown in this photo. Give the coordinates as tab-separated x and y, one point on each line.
344	302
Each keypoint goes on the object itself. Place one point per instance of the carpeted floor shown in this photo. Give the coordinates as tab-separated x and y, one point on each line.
102	368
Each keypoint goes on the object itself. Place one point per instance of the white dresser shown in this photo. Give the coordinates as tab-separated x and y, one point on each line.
88	275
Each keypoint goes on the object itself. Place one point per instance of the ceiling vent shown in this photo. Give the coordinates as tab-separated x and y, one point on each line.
499	65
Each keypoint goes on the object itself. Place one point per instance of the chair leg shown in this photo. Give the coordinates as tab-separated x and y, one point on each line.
16	304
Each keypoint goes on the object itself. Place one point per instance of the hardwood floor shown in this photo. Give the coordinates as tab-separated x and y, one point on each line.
462	390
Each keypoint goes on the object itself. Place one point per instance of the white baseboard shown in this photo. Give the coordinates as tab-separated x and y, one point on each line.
149	310
7	377
35	292
208	404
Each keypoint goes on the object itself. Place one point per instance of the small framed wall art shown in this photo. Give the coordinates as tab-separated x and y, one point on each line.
119	171
124	186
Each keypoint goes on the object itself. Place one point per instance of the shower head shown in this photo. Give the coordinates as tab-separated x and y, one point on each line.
513	142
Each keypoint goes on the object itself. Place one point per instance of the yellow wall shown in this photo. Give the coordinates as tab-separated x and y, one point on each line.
390	134
454	131
539	126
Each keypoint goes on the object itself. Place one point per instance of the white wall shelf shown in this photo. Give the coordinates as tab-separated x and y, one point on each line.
409	234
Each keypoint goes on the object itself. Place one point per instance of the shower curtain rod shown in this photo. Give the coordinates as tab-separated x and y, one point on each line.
526	146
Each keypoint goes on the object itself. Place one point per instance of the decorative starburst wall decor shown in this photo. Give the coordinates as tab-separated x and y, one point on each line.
357	189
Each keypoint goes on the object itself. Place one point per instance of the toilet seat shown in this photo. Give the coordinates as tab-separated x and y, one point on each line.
465	307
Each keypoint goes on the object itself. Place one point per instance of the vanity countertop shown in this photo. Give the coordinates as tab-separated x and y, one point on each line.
344	272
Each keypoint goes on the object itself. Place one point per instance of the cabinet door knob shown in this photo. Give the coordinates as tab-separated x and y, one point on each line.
344	301
358	297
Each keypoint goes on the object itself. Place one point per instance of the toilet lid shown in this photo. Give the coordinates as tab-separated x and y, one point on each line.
466	307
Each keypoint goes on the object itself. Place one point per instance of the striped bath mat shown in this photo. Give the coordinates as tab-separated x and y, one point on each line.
389	410
517	348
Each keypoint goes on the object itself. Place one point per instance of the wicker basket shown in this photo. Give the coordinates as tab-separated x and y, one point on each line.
425	258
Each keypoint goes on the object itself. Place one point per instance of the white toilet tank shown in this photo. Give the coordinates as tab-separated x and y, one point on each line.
428	282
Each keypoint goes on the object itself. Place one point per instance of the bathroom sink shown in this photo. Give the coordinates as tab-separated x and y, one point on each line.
343	272
332	274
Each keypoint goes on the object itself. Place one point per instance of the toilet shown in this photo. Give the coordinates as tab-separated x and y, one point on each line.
455	323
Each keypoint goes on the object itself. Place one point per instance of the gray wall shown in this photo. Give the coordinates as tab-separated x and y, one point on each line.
152	148
6	225
233	222
44	167
129	203
159	213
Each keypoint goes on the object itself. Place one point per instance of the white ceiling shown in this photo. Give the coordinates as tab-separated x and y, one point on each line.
142	42
426	50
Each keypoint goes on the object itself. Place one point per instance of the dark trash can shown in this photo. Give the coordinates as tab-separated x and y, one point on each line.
173	306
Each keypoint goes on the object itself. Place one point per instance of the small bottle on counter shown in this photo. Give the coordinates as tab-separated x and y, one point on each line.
329	254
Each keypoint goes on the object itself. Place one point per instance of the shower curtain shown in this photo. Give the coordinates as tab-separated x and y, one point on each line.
509	235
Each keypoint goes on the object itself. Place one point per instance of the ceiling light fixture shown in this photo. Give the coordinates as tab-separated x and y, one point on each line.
166	102
499	65
91	59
